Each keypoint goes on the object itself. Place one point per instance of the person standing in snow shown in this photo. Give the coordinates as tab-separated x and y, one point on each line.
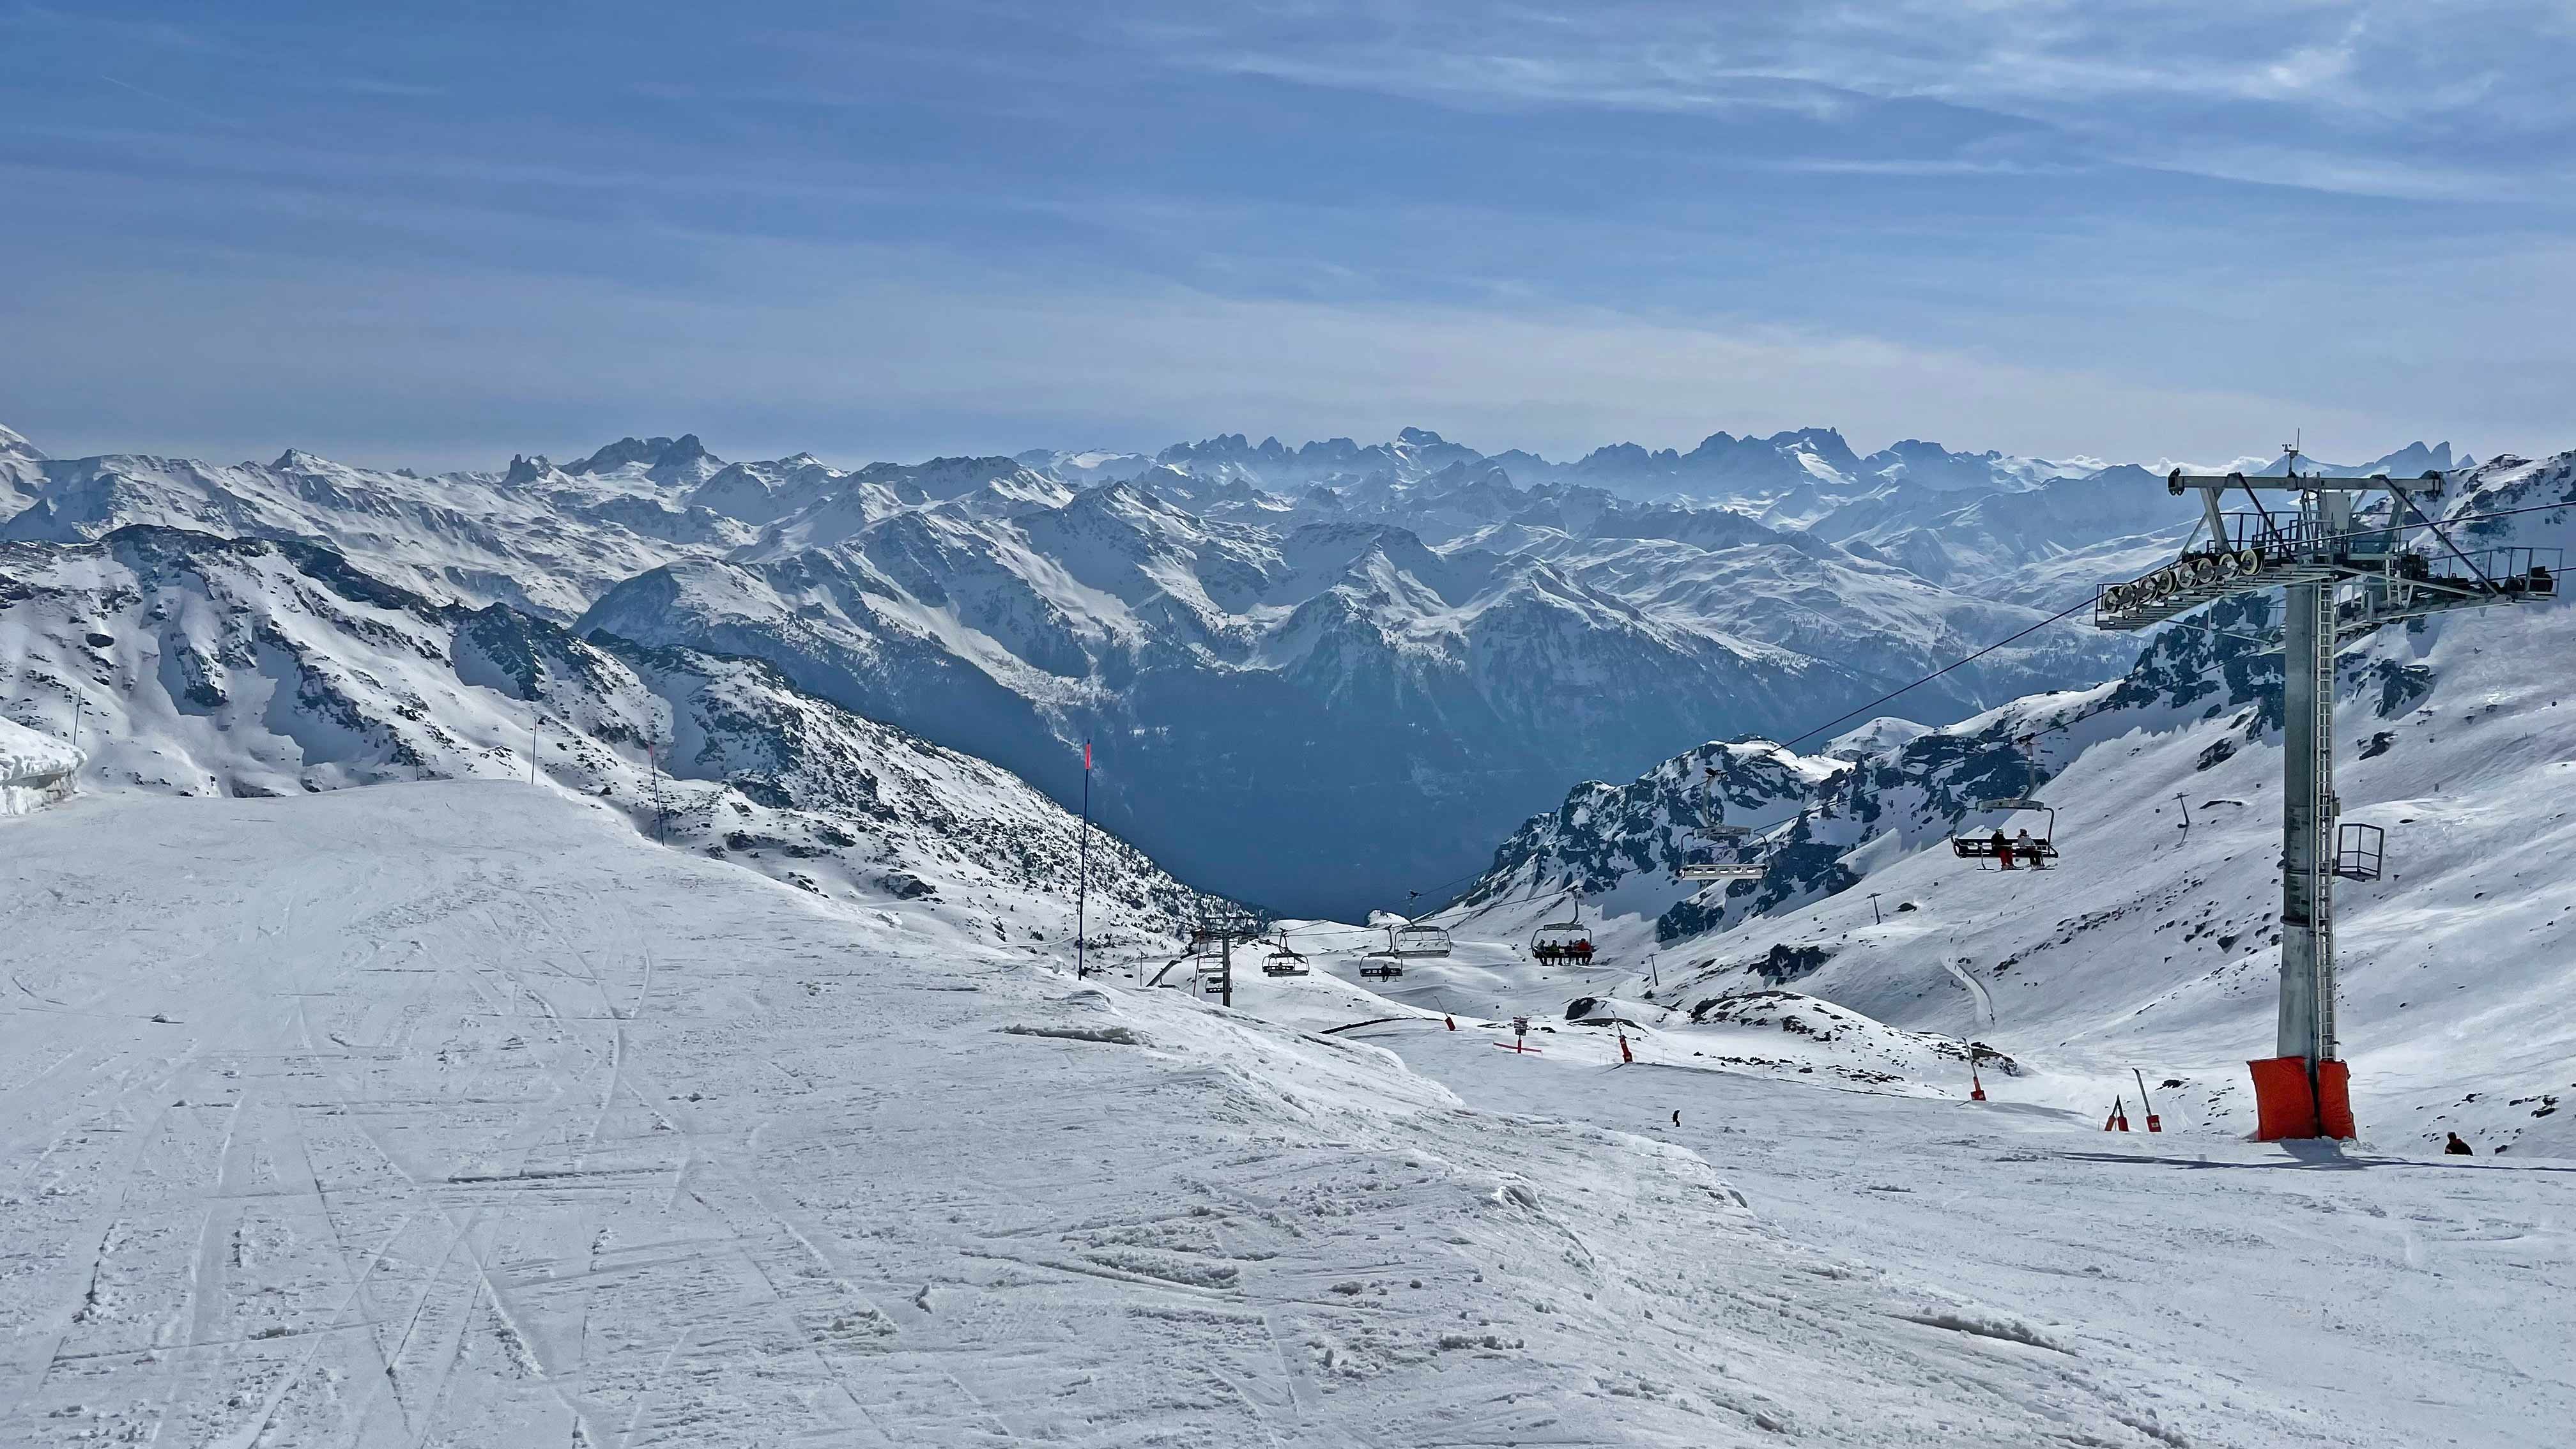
2456	1148
1677	1116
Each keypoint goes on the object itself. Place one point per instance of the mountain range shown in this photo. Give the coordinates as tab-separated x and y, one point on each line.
1320	677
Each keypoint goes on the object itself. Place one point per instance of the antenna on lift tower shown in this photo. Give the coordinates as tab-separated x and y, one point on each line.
2343	575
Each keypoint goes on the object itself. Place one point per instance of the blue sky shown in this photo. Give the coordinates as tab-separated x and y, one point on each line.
445	233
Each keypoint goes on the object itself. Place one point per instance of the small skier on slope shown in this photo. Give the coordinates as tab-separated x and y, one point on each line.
2456	1148
1677	1116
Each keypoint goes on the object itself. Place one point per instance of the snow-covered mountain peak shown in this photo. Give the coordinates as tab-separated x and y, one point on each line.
679	461
526	470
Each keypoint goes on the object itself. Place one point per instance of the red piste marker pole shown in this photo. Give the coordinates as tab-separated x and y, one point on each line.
2154	1122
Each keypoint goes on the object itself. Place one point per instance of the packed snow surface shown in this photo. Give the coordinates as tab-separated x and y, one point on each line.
459	1113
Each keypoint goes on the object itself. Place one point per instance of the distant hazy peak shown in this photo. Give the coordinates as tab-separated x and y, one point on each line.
654	453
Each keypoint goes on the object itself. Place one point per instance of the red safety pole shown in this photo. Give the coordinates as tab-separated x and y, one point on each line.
2154	1122
1625	1056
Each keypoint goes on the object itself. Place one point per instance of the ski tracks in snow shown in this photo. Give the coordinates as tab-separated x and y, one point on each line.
1976	989
515	1130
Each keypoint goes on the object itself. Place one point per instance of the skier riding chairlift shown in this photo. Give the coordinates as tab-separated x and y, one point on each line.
2035	851
1560	941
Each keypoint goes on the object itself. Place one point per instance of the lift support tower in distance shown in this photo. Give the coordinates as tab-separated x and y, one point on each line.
2349	555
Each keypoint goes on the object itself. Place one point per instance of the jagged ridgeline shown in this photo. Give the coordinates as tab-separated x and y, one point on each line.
1890	788
1318	676
1826	819
212	666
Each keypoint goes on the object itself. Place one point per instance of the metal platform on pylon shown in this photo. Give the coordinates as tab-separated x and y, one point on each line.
2265	548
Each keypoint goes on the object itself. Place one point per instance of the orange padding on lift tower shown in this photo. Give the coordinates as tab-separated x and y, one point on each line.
2334	1100
2285	1105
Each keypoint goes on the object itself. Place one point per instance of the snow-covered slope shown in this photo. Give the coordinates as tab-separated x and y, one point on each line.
2151	1257
232	667
2151	945
456	1113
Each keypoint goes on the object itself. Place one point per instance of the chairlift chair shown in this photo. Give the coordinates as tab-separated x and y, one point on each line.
2037	850
1714	829
2029	746
1569	940
1381	967
1282	961
1421	941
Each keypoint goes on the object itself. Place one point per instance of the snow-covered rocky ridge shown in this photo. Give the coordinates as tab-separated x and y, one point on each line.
2151	945
1234	652
242	667
1366	661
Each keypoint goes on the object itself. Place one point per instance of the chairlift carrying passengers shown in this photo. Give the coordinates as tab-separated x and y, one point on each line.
2035	851
1283	960
1566	940
1714	829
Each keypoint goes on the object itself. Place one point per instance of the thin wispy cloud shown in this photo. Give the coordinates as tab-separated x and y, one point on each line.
2176	85
2041	225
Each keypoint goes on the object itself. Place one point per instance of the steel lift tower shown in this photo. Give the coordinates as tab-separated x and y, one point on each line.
2349	555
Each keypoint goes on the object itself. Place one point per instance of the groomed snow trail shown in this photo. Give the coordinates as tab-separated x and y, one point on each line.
2292	1294
2258	1295
459	1115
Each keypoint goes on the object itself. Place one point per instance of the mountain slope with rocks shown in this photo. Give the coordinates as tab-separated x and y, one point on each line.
2151	941
209	667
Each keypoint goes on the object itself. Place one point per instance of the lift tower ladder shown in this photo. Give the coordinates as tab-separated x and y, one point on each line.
2343	574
